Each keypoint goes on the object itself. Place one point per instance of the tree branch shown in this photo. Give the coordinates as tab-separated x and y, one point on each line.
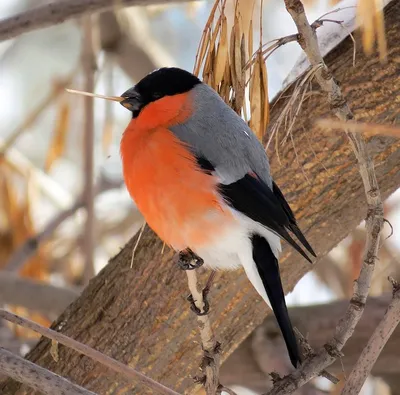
89	68
30	246
375	345
88	351
316	364
264	350
60	11
126	38
37	377
211	359
35	295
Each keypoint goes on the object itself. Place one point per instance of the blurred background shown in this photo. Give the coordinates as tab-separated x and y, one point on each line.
43	172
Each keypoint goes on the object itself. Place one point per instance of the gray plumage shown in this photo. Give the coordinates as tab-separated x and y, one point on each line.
233	149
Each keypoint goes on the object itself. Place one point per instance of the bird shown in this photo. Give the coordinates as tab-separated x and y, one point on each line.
202	181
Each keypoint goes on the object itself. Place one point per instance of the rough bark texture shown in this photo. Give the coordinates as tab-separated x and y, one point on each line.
264	350
140	317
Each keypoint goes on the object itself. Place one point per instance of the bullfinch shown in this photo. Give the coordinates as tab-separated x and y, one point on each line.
202	181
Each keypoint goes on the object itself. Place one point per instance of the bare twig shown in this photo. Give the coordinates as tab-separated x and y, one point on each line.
57	89
37	377
323	358
375	345
89	68
211	359
359	127
126	38
61	11
35	295
30	246
88	351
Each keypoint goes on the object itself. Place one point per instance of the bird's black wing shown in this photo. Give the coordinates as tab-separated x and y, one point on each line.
252	197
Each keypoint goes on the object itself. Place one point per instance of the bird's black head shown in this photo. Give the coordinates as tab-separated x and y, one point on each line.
167	81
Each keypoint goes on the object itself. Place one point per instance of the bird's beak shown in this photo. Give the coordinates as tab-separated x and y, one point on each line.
112	98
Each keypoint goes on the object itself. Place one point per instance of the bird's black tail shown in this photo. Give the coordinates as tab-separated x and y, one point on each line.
268	269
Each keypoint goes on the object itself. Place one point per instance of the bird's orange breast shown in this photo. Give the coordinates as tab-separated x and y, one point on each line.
178	200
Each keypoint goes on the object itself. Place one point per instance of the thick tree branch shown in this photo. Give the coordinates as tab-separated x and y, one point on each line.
88	351
37	377
60	11
34	295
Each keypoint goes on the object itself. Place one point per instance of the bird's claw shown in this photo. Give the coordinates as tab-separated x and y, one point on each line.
188	260
206	305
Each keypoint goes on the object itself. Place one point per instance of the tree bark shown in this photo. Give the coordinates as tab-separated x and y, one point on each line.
140	316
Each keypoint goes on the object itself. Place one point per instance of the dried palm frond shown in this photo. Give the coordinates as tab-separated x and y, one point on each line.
58	142
223	61
370	18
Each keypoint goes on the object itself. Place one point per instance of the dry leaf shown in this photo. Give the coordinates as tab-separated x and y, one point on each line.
232	60
222	53
240	92
57	145
250	42
255	99
245	9
205	40
264	96
380	30
371	19
237	53
226	84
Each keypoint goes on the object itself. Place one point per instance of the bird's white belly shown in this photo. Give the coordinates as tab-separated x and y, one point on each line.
232	248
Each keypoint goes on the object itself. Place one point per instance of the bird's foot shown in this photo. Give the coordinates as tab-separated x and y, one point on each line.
206	305
188	260
205	292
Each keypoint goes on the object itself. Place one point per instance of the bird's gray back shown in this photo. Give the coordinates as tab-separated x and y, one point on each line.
218	134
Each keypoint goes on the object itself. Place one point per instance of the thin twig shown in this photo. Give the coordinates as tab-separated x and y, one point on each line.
62	10
36	377
371	129
105	360
374	221
375	345
89	69
57	89
30	246
35	295
211	359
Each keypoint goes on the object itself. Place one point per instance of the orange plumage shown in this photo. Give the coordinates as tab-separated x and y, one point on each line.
178	200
